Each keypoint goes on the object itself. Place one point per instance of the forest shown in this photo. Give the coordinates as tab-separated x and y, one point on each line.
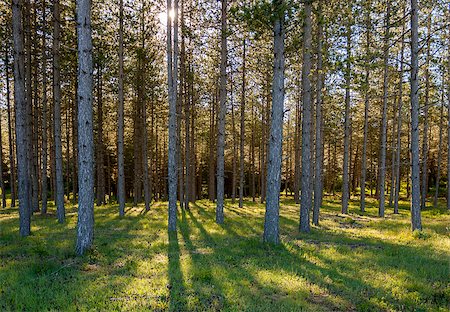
229	155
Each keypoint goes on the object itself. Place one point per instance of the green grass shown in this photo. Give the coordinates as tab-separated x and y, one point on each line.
354	262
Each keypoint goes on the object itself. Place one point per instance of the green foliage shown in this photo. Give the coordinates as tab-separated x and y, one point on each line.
353	262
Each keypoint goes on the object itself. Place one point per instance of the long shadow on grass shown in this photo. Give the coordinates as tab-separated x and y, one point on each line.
177	290
244	257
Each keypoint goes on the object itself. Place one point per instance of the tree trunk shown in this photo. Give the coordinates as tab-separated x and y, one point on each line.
448	116
59	198
399	121
416	222
425	121
306	196
100	166
222	115
44	181
242	134
318	181
12	162
345	183
233	127
85	226
271	222
172	81
21	120
381	199
441	128
120	128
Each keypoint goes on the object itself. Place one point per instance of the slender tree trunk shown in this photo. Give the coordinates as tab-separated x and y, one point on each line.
59	198
391	192
448	115
74	143
441	130
21	119
120	115
318	181
34	113
233	127
306	196
44	181
242	134
416	222
252	155
271	222
211	161
399	121
297	152
185	100
345	183
222	115
85	226
172	81
382	192
425	122
12	162
100	147
2	183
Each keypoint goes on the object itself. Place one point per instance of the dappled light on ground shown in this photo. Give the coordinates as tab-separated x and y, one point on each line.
349	262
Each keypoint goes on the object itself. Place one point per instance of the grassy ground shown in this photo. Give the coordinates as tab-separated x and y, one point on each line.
355	262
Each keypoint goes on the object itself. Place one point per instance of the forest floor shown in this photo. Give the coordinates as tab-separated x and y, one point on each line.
352	262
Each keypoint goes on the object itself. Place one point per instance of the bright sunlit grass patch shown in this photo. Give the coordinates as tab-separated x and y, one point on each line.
349	262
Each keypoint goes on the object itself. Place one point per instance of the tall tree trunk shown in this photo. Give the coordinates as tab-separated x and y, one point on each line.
2	183
252	155
345	183
382	192
233	127
416	222
85	226
306	196
271	221
399	121
448	114
425	121
242	134
44	181
12	162
74	143
21	120
59	198
34	110
366	110
99	146
211	161
297	152
120	115
441	128
222	114
172	81
318	181
392	188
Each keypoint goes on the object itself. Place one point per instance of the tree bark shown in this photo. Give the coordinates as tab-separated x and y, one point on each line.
318	181
21	120
85	226
100	166
120	128
399	121
441	128
416	222
59	198
222	114
172	81
425	121
381	199
306	196
242	134
345	183
271	221
12	162
44	181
